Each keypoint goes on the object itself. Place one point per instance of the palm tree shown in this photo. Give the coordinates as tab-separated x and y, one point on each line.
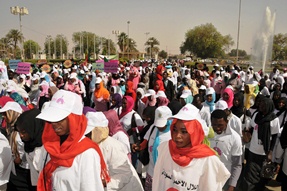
14	37
122	41
152	45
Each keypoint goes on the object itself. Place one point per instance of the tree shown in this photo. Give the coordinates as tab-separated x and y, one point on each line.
126	44
108	47
5	49
206	42
31	47
162	54
279	50
14	37
152	44
241	53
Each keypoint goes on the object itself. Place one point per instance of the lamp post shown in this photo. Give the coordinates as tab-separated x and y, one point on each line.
116	33
128	43
238	31
146	35
21	11
49	46
151	42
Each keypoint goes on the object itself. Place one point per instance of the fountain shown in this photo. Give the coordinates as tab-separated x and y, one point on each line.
261	54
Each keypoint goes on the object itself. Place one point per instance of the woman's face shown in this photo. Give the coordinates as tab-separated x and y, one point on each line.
23	134
281	104
124	103
180	135
156	86
225	96
236	102
61	127
209	98
97	86
113	101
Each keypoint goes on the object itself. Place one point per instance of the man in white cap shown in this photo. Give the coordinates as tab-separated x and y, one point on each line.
233	121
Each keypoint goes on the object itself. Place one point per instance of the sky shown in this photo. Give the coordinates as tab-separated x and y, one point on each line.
166	20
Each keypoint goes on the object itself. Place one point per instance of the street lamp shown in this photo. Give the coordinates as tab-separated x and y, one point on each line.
151	42
146	35
238	31
21	11
49	46
116	33
128	43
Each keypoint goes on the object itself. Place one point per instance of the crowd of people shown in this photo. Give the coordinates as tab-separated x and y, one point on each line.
150	126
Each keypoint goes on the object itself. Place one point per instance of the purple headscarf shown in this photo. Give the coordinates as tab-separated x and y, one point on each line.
118	99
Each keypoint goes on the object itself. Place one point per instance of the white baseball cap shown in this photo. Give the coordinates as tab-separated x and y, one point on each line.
35	77
149	92
190	112
73	75
22	76
202	87
162	114
62	104
160	94
98	80
11	105
209	91
217	72
216	64
96	119
185	93
221	105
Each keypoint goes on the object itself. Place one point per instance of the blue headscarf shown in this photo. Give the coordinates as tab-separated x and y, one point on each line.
211	104
156	141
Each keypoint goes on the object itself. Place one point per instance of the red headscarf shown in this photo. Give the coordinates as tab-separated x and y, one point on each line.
4	100
161	86
159	71
114	122
130	91
102	92
129	106
183	156
63	155
231	97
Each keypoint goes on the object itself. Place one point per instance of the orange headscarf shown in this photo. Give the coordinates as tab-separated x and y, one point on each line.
63	155
102	92
183	156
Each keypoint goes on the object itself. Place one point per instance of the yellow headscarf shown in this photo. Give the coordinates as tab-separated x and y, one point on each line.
250	97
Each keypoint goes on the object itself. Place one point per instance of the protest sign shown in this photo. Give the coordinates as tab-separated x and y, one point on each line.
23	68
13	64
98	66
111	66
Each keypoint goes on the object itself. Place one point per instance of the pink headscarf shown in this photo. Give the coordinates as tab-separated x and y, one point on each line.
44	91
231	96
114	122
129	106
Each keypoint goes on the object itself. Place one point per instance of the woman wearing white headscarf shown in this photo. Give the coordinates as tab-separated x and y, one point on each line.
122	173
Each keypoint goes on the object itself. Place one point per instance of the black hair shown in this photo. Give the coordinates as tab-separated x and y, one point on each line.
219	114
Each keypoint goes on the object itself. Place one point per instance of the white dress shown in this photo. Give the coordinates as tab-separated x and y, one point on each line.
202	174
122	173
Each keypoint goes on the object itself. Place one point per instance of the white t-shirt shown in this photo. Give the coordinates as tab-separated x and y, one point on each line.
163	137
227	144
256	145
235	123
6	160
202	174
84	174
205	115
